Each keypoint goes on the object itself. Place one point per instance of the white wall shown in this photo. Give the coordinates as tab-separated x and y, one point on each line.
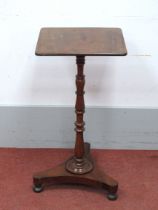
111	81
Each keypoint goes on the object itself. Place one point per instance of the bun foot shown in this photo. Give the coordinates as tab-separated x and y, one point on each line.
112	196
60	175
37	188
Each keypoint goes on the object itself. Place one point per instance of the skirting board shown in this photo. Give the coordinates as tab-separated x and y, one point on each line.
53	127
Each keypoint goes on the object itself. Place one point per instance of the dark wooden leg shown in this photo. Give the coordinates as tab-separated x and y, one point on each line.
79	164
79	169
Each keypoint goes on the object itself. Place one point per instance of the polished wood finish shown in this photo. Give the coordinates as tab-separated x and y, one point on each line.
79	107
79	42
79	164
58	175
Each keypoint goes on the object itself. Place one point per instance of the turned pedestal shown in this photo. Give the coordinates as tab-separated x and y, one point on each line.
79	42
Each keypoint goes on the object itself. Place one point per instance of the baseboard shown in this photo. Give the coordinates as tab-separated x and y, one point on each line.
48	126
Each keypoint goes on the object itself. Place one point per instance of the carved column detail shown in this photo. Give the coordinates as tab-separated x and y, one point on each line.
79	164
79	107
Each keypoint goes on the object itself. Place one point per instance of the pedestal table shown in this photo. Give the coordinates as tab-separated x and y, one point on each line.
79	42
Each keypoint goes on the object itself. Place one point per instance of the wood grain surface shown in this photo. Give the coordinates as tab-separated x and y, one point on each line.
81	41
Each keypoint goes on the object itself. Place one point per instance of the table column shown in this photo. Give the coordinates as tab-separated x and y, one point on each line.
79	164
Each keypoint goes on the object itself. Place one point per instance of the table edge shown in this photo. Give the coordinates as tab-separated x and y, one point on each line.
56	54
89	54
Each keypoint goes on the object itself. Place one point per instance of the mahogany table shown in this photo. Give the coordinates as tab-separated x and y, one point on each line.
79	42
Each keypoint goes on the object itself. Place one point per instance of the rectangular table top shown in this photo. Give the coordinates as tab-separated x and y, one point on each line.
81	41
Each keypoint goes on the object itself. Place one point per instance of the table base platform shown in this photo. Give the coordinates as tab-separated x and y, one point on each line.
60	175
